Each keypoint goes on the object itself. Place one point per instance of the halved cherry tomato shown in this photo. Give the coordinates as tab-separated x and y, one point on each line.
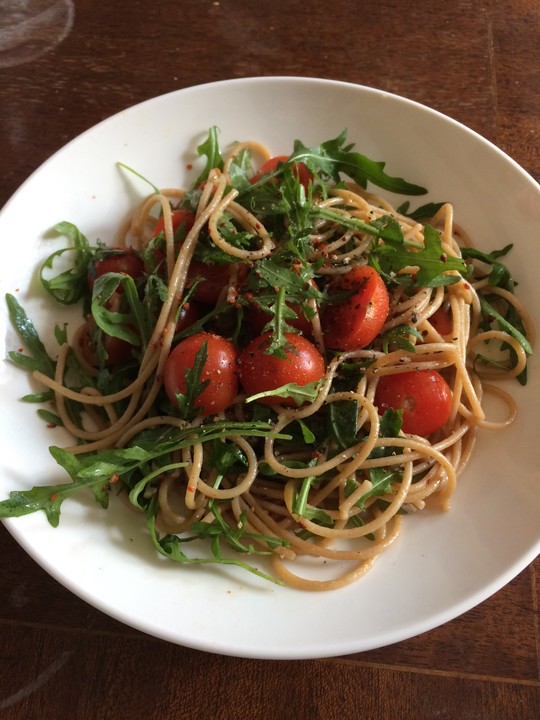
423	395
215	277
359	318
178	217
441	321
299	169
260	372
220	369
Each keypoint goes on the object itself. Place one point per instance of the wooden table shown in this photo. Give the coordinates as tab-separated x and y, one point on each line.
475	60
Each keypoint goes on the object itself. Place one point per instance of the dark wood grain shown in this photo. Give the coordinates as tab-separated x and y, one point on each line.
475	60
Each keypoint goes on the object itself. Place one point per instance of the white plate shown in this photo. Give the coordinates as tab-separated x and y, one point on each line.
444	564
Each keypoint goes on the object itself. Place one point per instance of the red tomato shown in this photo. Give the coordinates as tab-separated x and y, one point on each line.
423	395
300	170
260	372
441	321
214	278
355	322
118	351
189	314
125	262
220	369
178	217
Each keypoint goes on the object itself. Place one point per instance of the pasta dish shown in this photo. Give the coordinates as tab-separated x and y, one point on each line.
275	365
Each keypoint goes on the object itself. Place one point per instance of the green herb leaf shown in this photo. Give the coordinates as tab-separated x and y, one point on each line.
39	358
194	385
489	312
332	159
69	286
422	213
343	423
210	149
299	393
225	455
382	480
141	177
170	545
398	338
118	324
432	262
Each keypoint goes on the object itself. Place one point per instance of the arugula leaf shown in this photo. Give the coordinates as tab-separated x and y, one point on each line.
299	393
423	212
155	189
50	418
276	272
382	480
307	435
390	426
39	358
96	471
170	545
194	385
332	158
398	337
225	455
391	422
499	275
343	423
432	262
275	285
302	508
117	324
300	501
49	498
489	311
69	286
240	169
210	149
508	320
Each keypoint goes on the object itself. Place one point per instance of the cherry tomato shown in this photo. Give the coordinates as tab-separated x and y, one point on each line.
125	262
300	170
355	322
220	369
189	314
215	277
118	351
260	372
423	395
178	217
441	321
